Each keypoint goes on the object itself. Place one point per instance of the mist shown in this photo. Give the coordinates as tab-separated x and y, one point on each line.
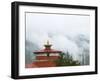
67	33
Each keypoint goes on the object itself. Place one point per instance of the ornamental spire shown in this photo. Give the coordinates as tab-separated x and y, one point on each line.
47	42
48	45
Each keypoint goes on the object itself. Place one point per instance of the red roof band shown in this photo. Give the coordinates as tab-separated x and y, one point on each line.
47	51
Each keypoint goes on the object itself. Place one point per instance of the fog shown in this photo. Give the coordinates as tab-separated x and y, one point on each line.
65	32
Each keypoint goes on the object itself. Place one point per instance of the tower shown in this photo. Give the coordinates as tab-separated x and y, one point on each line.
47	56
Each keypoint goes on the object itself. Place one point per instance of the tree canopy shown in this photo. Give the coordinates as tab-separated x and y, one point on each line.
66	60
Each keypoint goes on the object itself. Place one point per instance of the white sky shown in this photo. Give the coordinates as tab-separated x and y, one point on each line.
57	23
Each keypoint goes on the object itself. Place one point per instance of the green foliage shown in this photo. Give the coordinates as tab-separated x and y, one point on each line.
66	60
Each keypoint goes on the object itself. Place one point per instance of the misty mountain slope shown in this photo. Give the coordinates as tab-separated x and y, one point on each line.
78	46
83	43
29	55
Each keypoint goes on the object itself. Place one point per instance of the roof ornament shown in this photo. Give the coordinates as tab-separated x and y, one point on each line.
47	42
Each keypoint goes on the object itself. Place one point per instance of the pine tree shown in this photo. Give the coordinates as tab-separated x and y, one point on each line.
66	60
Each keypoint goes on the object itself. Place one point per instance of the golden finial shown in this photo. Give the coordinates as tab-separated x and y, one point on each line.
47	42
47	45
